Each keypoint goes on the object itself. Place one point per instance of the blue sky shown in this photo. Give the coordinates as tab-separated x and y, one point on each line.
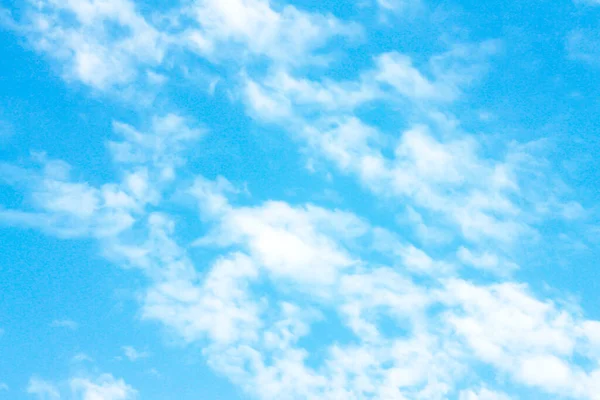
253	199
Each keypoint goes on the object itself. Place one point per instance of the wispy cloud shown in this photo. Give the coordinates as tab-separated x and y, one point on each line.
64	323
104	386
81	357
588	2
133	355
584	45
482	394
42	389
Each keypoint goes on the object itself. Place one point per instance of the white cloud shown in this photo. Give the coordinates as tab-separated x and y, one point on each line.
154	372
282	268
547	371
408	256
244	338
307	252
288	35
503	322
392	4
162	146
425	233
311	256
81	357
448	178
242	329
397	70
281	96
377	370
78	34
268	106
3	387
111	44
347	143
482	394
367	295
42	389
69	208
485	261
532	340
133	355
417	260
442	171
220	308
64	197
105	387
289	242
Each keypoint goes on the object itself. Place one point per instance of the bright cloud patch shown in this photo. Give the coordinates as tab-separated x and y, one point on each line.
105	387
255	199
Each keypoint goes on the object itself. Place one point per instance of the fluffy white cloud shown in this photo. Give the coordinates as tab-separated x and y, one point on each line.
105	387
444	177
256	345
442	171
287	35
100	43
531	339
401	347
502	325
220	308
112	44
288	242
504	321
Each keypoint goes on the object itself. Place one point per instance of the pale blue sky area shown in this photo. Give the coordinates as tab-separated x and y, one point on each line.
253	199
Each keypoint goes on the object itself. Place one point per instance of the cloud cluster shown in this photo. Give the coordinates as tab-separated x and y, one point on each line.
104	387
413	314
